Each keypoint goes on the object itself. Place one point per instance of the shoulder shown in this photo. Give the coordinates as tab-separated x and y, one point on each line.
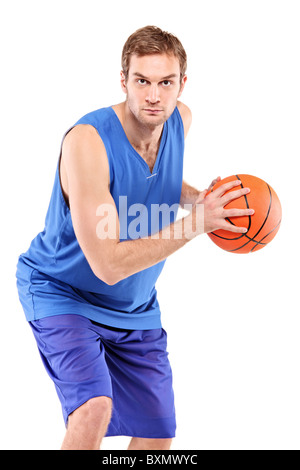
82	136
83	151
186	116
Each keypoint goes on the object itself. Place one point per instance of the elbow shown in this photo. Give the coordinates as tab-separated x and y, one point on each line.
108	268
109	275
111	279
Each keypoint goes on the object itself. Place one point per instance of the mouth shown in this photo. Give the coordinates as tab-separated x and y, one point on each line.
153	111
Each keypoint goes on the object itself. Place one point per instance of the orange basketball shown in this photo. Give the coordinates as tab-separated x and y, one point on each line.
262	225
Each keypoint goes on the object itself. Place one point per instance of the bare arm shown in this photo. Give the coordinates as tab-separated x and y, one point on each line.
189	195
84	158
87	172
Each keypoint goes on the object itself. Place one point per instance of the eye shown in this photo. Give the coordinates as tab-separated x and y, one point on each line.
142	81
166	83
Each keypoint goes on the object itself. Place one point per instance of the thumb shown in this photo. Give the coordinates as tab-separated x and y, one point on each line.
202	195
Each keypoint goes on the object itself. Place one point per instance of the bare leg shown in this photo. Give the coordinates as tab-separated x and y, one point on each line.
88	424
138	443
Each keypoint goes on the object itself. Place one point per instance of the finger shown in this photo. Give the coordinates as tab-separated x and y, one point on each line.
215	181
239	212
234	228
202	195
226	187
234	195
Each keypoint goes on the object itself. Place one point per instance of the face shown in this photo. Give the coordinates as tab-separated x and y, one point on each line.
153	87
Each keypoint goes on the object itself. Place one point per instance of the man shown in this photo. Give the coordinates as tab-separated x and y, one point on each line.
87	282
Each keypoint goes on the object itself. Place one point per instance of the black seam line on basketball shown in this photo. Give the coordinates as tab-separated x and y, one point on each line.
238	238
260	242
253	239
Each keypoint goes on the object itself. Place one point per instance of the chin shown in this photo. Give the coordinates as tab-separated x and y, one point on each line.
157	121
149	120
153	120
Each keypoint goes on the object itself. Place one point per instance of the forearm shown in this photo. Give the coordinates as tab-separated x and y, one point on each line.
132	256
188	194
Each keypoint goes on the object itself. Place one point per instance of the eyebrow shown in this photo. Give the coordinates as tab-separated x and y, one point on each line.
172	75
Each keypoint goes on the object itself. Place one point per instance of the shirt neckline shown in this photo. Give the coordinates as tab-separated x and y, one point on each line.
136	154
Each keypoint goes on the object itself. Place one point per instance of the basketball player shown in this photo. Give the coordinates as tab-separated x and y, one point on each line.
90	299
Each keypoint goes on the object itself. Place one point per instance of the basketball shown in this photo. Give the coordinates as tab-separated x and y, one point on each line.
262	225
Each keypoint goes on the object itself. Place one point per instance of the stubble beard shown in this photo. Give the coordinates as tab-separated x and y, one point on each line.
150	122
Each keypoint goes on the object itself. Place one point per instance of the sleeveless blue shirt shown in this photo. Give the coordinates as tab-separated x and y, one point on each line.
54	277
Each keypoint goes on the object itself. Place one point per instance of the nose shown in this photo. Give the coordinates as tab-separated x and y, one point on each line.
153	94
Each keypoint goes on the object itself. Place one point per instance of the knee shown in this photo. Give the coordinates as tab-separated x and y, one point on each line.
95	411
98	409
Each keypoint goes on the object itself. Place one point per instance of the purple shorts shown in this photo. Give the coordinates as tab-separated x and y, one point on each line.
85	360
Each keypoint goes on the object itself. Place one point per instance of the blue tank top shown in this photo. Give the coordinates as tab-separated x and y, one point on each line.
132	302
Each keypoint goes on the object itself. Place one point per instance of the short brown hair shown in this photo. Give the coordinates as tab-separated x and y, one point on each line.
153	40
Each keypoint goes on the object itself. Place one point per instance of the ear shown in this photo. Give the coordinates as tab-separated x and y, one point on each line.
183	82
123	82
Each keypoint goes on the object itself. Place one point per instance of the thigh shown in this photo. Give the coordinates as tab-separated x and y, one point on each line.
142	383
74	358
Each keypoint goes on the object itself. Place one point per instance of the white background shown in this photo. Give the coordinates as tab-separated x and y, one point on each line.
232	320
